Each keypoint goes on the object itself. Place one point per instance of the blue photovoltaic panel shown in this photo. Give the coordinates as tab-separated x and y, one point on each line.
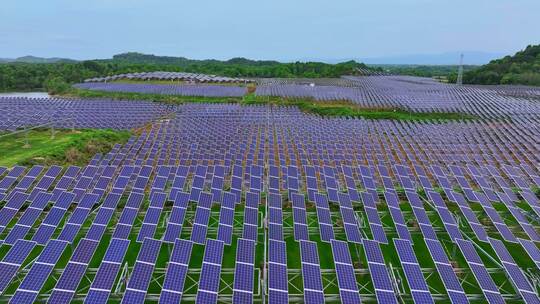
311	272
226	218
244	271
489	288
71	276
142	272
39	273
495	218
277	272
299	217
107	271
532	250
392	201
413	272
210	273
176	219
153	213
516	275
250	220
469	214
14	258
379	273
374	220
325	218
348	288
446	272
28	218
53	218
14	203
202	217
349	219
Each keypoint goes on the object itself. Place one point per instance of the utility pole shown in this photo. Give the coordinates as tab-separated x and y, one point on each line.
460	71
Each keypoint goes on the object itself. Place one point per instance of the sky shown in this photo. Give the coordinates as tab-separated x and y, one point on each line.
278	29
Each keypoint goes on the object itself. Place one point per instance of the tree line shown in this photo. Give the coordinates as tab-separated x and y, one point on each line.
31	76
523	68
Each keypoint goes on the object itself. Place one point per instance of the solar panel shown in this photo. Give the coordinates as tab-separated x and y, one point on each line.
251	216
10	209
446	272
210	273
348	288
78	217
311	272
379	273
28	290
177	269
449	221
348	216
275	217
108	270
226	218
515	274
66	286
495	218
519	215
28	218
13	260
299	217
374	220
532	250
413	272
153	213
142	271
202	217
53	218
489	288
392	201
277	272
325	218
176	219
128	215
469	214
244	271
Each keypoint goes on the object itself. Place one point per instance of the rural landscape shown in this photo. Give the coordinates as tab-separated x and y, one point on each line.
144	178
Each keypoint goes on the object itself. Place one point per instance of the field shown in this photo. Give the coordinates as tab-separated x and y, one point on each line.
378	188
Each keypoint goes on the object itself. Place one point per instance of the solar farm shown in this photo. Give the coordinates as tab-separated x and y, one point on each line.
236	203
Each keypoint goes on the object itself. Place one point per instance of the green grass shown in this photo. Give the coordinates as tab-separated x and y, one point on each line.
67	147
172	99
326	108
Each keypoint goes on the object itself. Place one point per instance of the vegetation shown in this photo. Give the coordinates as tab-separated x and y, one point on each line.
20	76
349	109
437	71
522	68
328	108
56	85
67	147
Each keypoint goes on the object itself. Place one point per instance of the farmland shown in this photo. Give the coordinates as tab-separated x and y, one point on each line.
235	193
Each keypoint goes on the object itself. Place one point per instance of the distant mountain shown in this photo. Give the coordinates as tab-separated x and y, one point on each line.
138	58
449	58
34	59
522	68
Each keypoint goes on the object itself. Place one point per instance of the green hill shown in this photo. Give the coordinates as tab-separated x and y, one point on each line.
523	68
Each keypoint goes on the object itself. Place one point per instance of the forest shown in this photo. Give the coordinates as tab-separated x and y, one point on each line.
20	76
522	68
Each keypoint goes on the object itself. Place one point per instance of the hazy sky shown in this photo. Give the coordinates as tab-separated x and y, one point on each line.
273	29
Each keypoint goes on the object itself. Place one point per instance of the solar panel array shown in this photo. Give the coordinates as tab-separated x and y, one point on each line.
23	112
414	94
240	203
202	90
160	75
